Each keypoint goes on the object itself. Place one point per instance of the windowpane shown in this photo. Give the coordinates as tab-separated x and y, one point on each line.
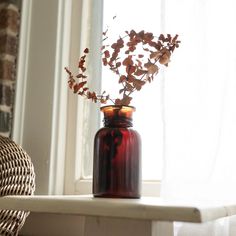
135	15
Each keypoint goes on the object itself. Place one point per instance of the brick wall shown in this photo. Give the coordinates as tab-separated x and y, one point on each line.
9	29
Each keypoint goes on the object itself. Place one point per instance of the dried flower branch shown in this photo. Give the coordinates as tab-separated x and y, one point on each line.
133	70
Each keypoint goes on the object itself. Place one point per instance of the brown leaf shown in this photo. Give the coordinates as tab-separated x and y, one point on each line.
118	64
155	55
162	37
126	100
68	71
86	50
121	91
104	60
107	54
153	69
114	56
138	84
175	38
130	69
120	43
140	72
148	64
128	61
132	33
105	32
141	34
132	48
71	84
148	36
139	63
165	57
122	79
114	46
118	102
81	84
129	87
92	95
146	49
81	76
131	78
77	86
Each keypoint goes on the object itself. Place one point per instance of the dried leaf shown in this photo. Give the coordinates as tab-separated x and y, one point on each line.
153	69
71	84
129	87
148	37
165	57
92	96
120	42
107	54
118	102
138	84
126	100
81	76
130	69
86	50
105	32
118	64
122	79
68	71
140	72
155	55
148	64
121	91
131	78
139	63
128	61
104	60
77	87
81	84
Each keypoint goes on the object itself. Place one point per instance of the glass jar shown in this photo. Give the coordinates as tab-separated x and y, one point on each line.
117	155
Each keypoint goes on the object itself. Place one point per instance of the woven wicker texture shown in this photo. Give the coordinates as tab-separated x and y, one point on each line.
16	178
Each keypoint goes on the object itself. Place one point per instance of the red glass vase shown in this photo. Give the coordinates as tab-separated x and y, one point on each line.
117	155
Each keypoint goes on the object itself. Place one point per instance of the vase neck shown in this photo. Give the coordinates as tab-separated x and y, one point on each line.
118	116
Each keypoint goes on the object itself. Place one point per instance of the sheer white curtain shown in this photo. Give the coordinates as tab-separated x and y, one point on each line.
200	108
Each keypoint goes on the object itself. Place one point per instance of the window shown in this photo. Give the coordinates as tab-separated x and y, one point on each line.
149	100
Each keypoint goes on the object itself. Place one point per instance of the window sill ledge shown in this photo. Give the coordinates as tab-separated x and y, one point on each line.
154	209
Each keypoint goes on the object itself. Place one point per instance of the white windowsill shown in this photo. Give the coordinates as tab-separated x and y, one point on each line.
154	209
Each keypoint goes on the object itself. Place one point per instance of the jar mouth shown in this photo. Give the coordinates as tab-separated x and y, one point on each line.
124	108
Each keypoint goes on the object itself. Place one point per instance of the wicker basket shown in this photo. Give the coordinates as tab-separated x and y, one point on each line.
16	178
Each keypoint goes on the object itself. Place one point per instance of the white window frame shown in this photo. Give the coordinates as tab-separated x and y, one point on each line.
40	111
79	109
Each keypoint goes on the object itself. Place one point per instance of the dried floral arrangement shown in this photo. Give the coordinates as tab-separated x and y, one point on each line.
133	70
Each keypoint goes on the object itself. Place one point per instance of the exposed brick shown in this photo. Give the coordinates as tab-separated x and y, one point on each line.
9	19
8	44
9	1
6	95
5	121
7	70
